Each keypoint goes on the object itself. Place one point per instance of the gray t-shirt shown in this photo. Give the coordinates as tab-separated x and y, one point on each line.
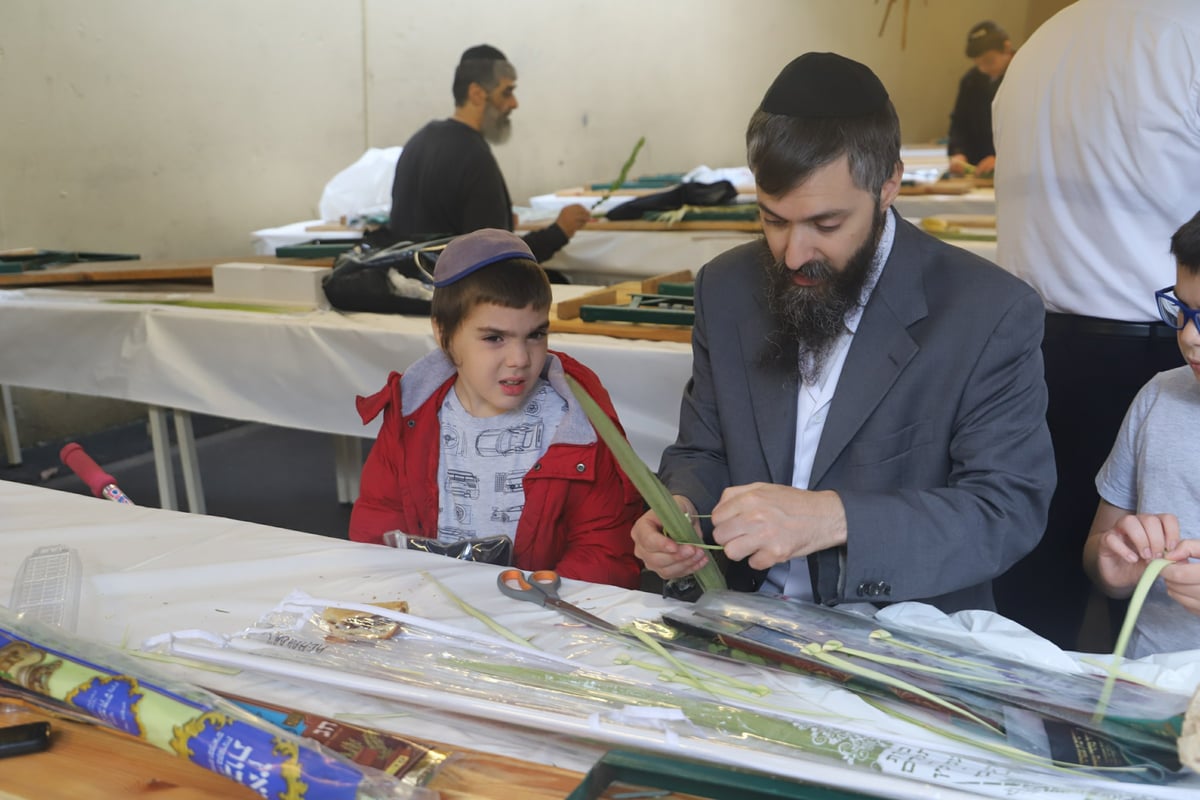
484	460
1154	468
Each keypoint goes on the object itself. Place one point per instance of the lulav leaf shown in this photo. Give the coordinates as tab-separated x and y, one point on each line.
675	523
628	165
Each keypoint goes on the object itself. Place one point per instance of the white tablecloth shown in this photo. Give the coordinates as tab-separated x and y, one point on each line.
296	370
598	256
148	572
976	201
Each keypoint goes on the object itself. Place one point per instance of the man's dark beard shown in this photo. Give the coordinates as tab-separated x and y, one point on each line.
808	320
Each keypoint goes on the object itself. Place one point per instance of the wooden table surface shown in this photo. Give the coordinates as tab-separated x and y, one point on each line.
103	764
198	269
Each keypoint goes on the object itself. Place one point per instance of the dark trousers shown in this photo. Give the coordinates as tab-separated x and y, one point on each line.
1094	368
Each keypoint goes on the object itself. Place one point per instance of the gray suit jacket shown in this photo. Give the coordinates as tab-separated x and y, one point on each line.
936	437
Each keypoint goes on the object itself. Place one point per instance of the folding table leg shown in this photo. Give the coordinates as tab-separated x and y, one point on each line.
164	469
189	461
347	459
11	443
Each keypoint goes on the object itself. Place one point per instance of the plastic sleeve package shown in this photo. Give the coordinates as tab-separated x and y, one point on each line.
181	719
410	659
1040	711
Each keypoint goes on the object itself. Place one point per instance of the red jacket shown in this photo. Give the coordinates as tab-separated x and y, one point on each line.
579	505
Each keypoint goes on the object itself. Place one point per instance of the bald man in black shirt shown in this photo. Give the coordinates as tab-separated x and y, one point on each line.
447	180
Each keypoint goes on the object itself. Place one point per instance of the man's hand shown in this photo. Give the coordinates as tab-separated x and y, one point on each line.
958	164
769	524
1125	549
661	554
985	167
572	218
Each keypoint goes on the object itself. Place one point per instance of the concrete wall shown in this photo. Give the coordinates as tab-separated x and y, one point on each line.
173	128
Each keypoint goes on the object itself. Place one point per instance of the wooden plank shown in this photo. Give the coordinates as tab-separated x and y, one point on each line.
650	285
89	761
694	226
587	191
140	271
564	315
618	293
569	309
965	220
950	186
961	227
104	764
623	330
748	226
583	191
332	227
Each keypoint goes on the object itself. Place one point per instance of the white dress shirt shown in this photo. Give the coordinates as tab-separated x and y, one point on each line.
791	578
1097	131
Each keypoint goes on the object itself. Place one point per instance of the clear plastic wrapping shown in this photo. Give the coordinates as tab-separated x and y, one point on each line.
184	720
432	664
975	687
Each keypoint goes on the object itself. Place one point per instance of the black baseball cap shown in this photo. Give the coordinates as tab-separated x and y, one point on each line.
985	36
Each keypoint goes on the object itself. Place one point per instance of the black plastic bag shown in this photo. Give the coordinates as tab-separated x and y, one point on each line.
685	194
395	280
487	550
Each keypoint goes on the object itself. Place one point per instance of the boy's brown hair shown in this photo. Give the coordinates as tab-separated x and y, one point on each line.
1185	245
510	283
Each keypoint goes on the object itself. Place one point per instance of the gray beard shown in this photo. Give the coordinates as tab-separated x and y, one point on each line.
809	320
496	127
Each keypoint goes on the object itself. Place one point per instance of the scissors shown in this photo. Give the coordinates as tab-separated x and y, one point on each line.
541	587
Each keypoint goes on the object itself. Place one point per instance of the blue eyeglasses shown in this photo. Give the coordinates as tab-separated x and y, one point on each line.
1174	312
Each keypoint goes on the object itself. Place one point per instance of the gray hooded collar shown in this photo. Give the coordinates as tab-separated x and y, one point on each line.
420	381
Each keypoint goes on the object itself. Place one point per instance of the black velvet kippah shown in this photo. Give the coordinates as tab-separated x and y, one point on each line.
825	85
482	52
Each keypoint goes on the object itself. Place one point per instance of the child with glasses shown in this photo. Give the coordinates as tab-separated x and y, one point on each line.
1150	485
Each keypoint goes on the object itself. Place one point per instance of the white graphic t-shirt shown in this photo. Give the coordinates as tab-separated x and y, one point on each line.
484	459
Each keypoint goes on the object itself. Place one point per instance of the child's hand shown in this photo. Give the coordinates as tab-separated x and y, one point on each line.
1132	543
1183	578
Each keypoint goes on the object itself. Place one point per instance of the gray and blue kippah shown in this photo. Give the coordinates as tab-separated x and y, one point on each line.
476	250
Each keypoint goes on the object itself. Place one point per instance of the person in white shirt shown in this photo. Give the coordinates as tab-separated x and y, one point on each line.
1097	133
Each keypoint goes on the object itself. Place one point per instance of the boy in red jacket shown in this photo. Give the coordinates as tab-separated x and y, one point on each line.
483	437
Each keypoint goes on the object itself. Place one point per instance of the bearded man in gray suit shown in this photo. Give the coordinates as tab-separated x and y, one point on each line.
866	415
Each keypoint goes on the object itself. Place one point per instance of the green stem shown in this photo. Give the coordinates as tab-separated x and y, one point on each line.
915	665
477	614
1135	608
622	175
887	638
675	523
822	653
656	647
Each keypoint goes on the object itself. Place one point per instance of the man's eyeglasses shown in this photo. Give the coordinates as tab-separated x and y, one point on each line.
1173	311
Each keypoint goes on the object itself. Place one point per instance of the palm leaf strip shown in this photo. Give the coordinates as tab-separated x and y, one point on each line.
675	523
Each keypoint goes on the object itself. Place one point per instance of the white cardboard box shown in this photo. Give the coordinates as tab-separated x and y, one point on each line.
290	284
